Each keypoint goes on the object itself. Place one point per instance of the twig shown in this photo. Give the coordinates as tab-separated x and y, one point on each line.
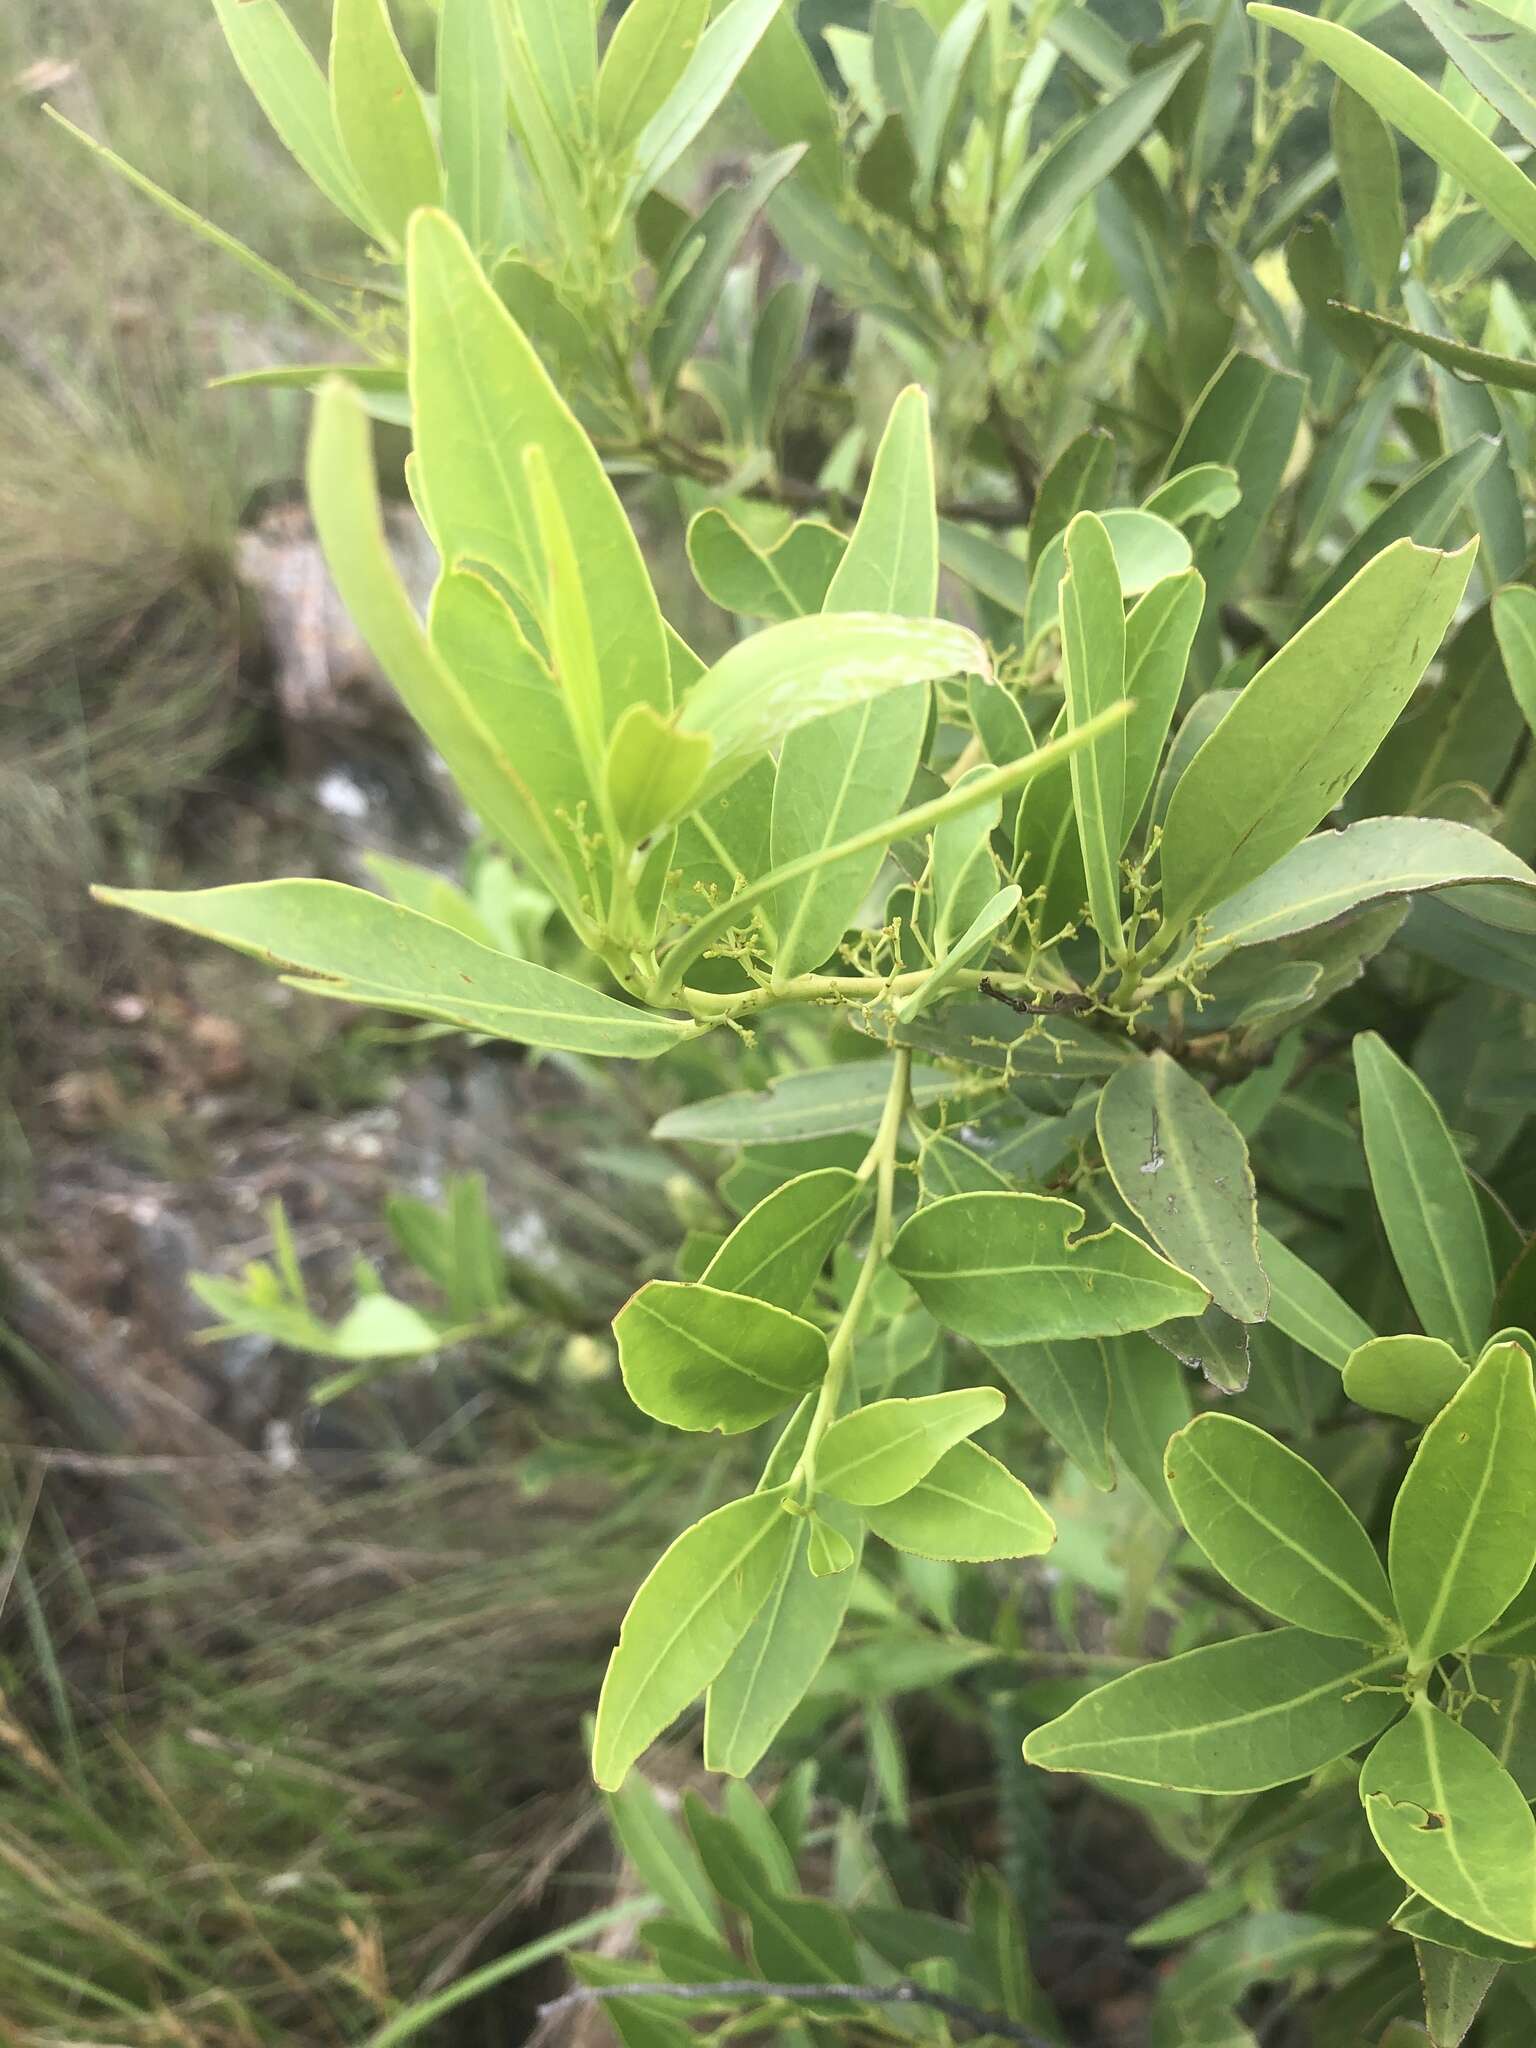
904	1993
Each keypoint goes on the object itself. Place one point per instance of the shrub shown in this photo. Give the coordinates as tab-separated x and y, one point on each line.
1112	815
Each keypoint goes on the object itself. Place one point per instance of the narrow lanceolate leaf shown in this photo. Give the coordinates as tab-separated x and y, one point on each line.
1514	625
778	1249
1158	636
291	91
1493	50
1507	373
1428	1205
882	1451
1453	1824
1246	419
1010	1269
380	117
1370	179
698	1358
481	398
646	56
1093	654
1238	1716
652	773
332	940
1409	1376
1304	728
775	1663
968	1510
693	1609
782	678
892	563
1067	1386
472	113
708	76
1277	1531
1334	872
1181	1166
1304	1306
1423	115
1463	1539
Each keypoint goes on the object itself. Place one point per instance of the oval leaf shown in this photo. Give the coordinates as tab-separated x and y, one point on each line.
882	1451
1409	1376
697	1358
968	1510
778	1249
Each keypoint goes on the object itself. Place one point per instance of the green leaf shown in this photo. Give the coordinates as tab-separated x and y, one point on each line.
1409	1376
1277	1531
782	85
698	1358
1093	672
777	1250
790	580
664	1859
1181	1166
1067	1386
1493	50
1262	1948
782	678
1246	420
1332	873
710	73
1003	1269
820	1103
972	945
1081	479
1422	510
1302	1305
472	112
1158	636
775	1663
1463	1539
830	1553
1304	728
1208	490
694	1607
1514	625
291	91
969	1509
1428	1205
1370	180
1453	1824
1426	1923
881	1451
481	399
379	117
1454	1989
892	563
1234	1717
1460	356
1147	551
963	874
652	773
647	54
1423	115
560	45
346	943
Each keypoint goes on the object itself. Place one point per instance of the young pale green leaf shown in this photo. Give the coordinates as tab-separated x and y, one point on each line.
698	1358
892	563
1302	1305
969	1510
1493	49
1423	115
342	942
481	397
1093	669
1181	1166
1371	182
1081	479
1245	419
1463	1538
830	1553
1409	1376
664	1859
1332	873
1209	490
1277	1531
1239	1716
291	91
1147	551
472	116
1514	625
560	42
1304	728
775	1663
970	947
567	622
1009	1269
652	772
647	54
1067	1387
881	1451
708	76
1428	1205
790	580
782	678
1453	1824
1158	636
693	1609
382	124
777	1250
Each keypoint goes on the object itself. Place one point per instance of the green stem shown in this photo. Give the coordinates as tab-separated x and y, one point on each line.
879	1165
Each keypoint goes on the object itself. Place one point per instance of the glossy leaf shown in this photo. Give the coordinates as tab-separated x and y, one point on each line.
336	941
778	1249
694	1607
379	116
1277	1531
1093	670
1427	1203
882	1450
1181	1166
698	1358
1453	1824
1010	1269
1463	1539
1304	728
1238	1716
968	1509
1409	1376
892	563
